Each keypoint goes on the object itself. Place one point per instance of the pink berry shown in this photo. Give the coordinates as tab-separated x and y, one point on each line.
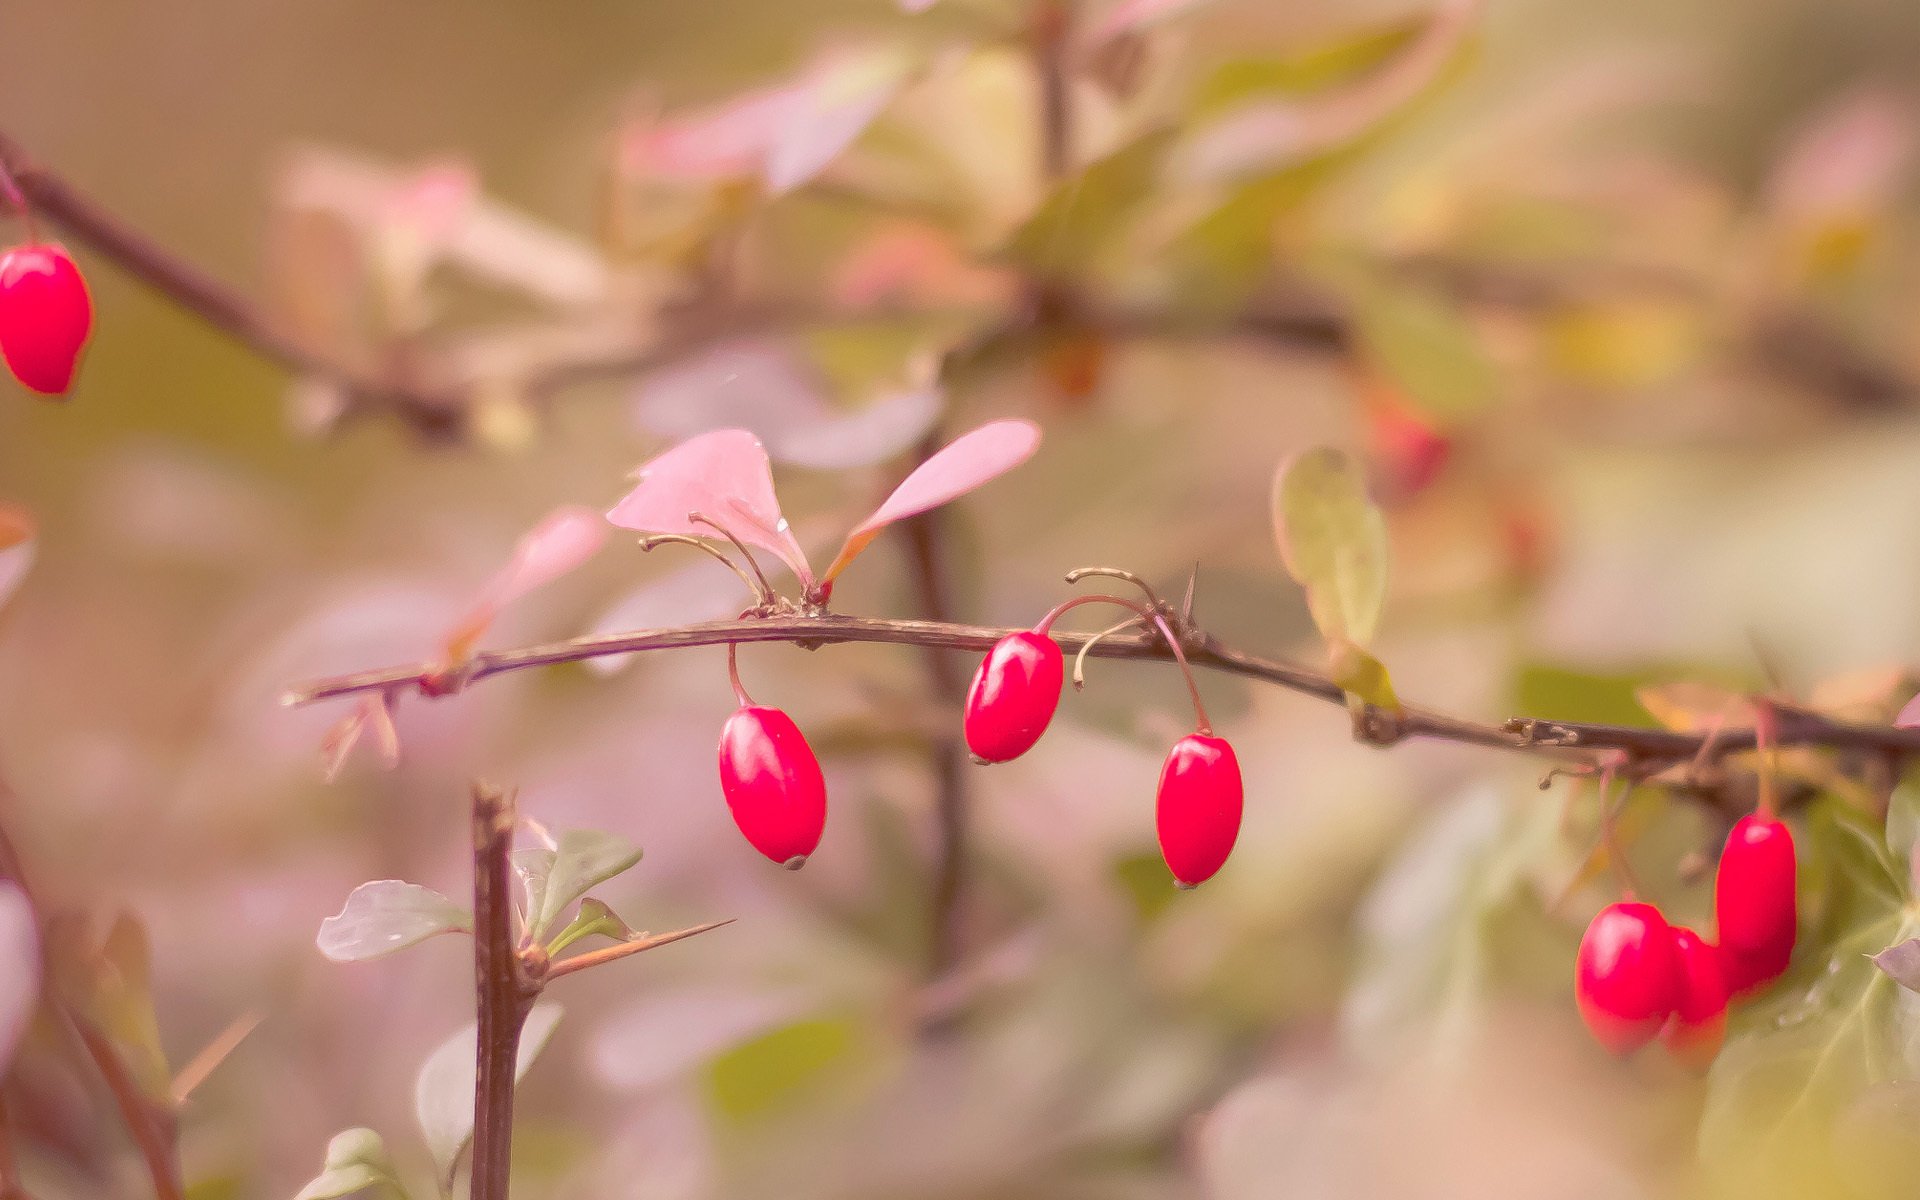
1627	976
773	784
45	316
1014	695
1699	1022
1199	807
1753	901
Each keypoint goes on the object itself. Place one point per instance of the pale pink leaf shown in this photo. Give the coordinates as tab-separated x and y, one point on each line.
723	141
1909	715
1846	161
840	96
958	468
863	436
723	476
19	968
563	540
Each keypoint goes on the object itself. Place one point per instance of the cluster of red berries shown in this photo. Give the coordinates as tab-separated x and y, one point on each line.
45	316
778	798
1637	977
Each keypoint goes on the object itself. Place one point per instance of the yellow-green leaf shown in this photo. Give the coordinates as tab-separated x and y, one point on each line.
1334	542
1364	677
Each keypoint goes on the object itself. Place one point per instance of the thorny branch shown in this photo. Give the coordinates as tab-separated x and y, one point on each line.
504	992
1647	751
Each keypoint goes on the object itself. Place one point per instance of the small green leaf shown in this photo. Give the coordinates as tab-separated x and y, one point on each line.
1334	541
582	859
1903	827
1364	677
388	915
443	1091
594	919
357	1160
534	865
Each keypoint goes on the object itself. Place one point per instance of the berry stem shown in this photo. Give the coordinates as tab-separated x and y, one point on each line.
733	675
1080	659
760	595
1202	724
10	189
1610	835
766	589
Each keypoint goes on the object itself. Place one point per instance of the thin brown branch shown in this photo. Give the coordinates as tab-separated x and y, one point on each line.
225	308
153	1129
503	992
1649	748
607	954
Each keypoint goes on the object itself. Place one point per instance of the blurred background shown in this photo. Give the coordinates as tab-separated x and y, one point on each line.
1614	301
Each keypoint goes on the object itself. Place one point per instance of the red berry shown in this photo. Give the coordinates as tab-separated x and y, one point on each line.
1627	977
1013	696
1753	900
1699	1021
773	784
1199	807
45	316
1408	452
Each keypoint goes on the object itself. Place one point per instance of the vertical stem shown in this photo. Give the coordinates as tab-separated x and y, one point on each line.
503	993
933	596
1052	25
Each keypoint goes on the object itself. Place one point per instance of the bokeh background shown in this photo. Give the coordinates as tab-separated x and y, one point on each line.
1642	270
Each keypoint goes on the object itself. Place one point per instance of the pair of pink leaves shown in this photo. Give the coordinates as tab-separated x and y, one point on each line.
725	477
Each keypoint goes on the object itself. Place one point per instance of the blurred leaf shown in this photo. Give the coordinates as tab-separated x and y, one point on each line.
582	859
707	1021
1426	346
1264	135
19	968
356	1161
563	540
1334	542
1560	693
725	477
1337	61
1634	343
1144	878
388	915
443	1093
110	984
1693	706
1909	715
1085	209
773	1069
1131	16
970	461
1903	822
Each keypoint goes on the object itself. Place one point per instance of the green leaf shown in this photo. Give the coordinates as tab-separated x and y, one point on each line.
582	859
772	1070
1426	347
594	919
1083	211
1334	541
443	1092
1340	60
388	915
1831	1030
1363	677
356	1161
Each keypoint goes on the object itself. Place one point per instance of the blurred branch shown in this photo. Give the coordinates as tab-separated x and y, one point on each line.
1650	750
504	992
152	1126
223	307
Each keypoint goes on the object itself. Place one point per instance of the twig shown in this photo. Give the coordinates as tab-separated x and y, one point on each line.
214	302
933	595
1649	749
504	992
